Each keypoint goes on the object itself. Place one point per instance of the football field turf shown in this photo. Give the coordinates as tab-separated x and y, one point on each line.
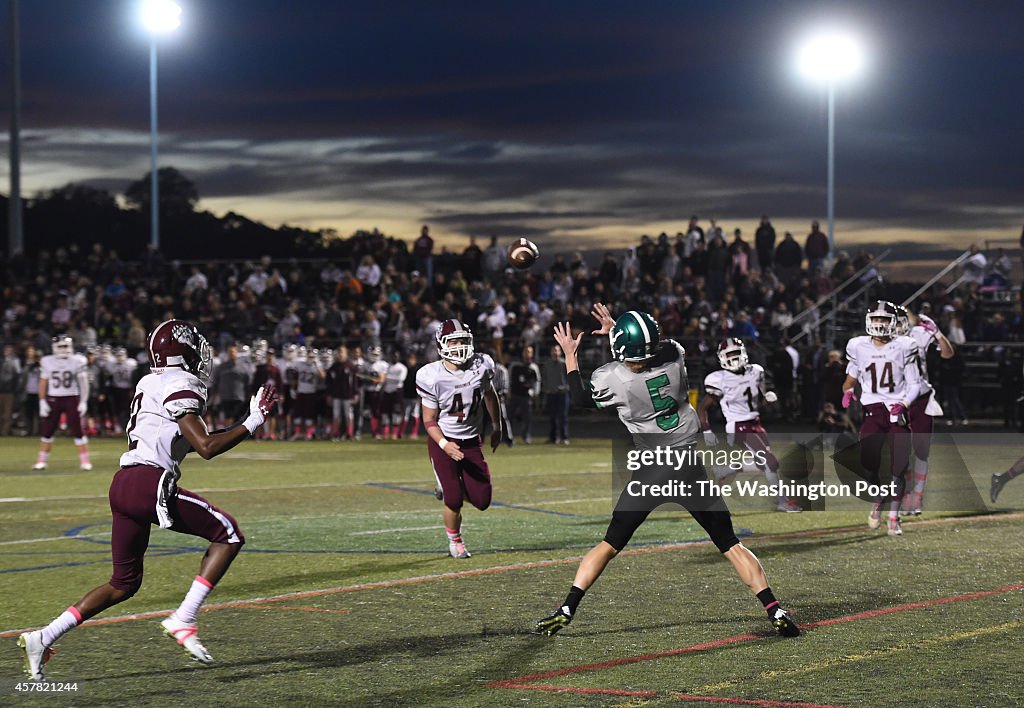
344	594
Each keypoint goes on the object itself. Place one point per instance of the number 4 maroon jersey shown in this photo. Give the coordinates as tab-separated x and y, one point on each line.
458	396
888	373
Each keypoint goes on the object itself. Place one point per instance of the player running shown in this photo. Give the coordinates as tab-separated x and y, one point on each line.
924	408
165	425
63	390
451	393
647	386
886	366
738	388
999	480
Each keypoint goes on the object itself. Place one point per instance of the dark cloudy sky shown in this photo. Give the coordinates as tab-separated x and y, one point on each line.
578	122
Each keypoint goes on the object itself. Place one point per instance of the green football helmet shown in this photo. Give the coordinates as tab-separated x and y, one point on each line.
634	337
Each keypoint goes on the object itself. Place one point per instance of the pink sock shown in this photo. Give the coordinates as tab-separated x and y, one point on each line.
83	455
42	457
68	620
194	599
453	535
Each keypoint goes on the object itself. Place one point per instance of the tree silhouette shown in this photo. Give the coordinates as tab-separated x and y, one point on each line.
178	194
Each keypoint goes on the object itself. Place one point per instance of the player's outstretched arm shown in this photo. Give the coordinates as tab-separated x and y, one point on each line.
209	445
569	345
602	314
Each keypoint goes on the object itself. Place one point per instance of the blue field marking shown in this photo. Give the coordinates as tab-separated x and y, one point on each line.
414	490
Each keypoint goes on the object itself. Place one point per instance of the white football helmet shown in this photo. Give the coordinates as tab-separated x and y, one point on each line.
903	325
290	352
732	355
882	320
121	355
63	346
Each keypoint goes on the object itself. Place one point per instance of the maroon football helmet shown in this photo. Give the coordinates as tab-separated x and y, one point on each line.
454	342
179	343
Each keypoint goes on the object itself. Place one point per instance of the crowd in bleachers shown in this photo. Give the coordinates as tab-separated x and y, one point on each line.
392	294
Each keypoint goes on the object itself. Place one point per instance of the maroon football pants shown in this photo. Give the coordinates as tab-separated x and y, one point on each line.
468	479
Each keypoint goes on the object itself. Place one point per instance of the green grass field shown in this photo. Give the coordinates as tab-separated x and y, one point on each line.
345	595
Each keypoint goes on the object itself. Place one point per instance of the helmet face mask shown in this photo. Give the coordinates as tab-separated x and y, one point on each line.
634	337
882	321
179	343
732	355
63	346
454	342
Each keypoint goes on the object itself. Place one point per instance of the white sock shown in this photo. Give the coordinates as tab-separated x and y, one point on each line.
194	599
68	620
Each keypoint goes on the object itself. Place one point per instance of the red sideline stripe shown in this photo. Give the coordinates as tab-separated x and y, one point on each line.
915	605
584	691
530	678
752	702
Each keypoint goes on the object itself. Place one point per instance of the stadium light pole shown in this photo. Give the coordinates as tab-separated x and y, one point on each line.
828	58
158	17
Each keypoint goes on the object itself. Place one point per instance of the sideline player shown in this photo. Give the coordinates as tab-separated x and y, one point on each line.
165	425
886	367
647	386
738	388
63	390
453	393
925	407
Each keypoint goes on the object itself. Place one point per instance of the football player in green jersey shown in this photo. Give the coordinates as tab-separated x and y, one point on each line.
646	385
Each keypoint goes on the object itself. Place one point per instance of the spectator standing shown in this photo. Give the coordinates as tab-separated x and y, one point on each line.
423	253
493	261
718	265
229	384
764	243
10	382
973	267
524	388
30	390
816	248
555	386
472	259
788	258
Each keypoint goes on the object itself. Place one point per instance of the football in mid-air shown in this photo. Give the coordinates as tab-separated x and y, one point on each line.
523	253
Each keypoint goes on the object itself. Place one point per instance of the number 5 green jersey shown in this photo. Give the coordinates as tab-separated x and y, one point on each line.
654	401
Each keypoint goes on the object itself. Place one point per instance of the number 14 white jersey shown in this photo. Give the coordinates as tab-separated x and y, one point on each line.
888	373
457	395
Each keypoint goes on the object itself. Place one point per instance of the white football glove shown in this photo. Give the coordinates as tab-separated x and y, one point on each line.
770	396
44	408
710	439
260	407
83	407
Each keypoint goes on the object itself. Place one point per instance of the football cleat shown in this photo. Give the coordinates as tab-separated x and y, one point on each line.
549	626
187	635
875	517
36	654
789	506
895	528
784	624
998	482
457	549
86	466
39	466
